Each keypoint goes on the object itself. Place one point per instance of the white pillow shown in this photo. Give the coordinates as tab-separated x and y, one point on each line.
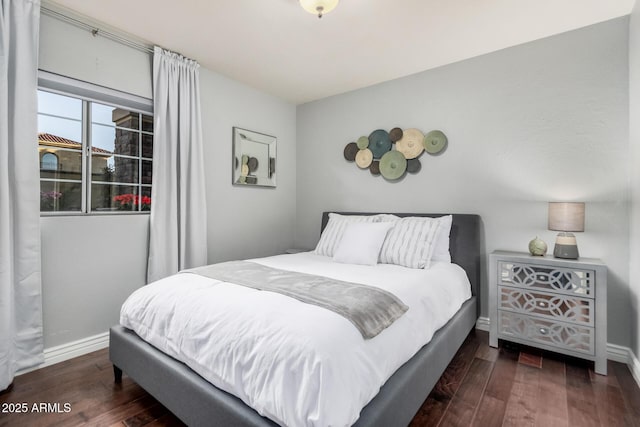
332	233
441	249
361	242
410	242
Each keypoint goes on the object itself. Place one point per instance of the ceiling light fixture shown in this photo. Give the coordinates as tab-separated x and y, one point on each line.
319	7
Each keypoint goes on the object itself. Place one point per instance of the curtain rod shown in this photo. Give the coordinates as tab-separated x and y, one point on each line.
97	31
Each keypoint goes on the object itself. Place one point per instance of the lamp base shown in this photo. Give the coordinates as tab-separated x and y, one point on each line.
566	246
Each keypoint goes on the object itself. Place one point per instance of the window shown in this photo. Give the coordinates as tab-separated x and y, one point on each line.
95	156
49	162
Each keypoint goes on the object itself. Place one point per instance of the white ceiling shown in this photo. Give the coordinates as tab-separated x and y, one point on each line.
277	47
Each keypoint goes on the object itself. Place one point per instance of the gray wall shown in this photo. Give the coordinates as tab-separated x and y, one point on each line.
246	221
538	122
543	121
92	263
74	52
634	159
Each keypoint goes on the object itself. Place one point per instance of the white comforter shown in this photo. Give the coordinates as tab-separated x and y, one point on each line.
295	363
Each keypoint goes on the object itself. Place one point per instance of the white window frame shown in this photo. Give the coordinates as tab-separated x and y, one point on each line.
62	85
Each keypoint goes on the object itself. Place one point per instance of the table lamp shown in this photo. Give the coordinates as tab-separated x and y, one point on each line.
566	217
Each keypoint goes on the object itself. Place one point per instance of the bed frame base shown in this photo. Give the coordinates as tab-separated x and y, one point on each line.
195	401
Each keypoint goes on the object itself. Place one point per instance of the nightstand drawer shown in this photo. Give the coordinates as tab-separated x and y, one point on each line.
564	308
568	281
556	334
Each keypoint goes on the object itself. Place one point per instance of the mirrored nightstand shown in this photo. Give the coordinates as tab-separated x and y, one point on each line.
550	303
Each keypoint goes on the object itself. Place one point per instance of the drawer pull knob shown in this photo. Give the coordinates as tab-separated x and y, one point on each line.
543	331
542	304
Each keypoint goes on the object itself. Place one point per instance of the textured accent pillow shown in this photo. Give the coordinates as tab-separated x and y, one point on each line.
441	249
410	242
361	242
332	233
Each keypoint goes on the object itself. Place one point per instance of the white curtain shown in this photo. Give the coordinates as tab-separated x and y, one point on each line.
178	229
20	287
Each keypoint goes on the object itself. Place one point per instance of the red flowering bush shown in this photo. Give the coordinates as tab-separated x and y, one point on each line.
129	202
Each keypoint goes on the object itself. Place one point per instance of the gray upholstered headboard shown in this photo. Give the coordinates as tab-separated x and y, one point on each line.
464	241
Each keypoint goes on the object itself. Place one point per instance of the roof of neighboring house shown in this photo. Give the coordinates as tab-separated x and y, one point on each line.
60	142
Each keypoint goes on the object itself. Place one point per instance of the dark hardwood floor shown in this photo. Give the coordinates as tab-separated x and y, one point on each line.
482	386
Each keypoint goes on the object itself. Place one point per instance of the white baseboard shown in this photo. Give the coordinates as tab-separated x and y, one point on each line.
483	324
634	366
70	350
618	353
615	352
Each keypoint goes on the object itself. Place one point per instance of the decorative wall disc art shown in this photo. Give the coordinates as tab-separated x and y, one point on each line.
363	142
411	143
414	165
392	154
435	141
393	165
395	134
375	167
350	151
379	143
364	158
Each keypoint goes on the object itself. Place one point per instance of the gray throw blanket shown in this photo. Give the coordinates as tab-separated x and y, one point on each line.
370	309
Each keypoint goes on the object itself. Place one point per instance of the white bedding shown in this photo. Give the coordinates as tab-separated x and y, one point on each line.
295	363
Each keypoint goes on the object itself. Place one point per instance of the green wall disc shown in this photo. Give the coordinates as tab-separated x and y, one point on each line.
363	142
393	165
435	141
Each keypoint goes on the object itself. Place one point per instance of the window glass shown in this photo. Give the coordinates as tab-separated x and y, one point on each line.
119	162
103	137
147	146
68	163
118	198
146	191
114	172
115	169
147	123
114	116
61	129
116	141
147	169
60	196
59	105
126	143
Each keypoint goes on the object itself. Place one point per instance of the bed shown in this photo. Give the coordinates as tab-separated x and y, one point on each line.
198	403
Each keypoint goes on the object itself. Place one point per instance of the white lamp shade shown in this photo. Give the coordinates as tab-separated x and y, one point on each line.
319	7
566	216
